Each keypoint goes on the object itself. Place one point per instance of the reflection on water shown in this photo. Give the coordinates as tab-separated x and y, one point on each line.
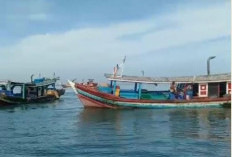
13	108
192	123
206	130
65	128
201	123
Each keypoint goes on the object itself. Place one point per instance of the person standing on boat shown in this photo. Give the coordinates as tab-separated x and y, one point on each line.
189	92
172	90
173	87
181	95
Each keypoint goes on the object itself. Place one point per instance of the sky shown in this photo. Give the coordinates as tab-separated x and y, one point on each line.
84	39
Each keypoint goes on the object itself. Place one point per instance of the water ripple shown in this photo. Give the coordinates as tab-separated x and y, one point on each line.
65	128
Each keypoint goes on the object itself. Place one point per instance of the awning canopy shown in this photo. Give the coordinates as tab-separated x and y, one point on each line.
226	77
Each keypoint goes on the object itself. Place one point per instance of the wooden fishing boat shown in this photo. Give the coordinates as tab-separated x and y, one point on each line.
37	91
191	91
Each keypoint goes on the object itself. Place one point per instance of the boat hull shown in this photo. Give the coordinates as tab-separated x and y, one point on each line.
88	102
5	100
93	98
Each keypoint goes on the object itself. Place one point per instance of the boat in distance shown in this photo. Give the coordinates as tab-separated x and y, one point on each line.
40	90
67	85
189	91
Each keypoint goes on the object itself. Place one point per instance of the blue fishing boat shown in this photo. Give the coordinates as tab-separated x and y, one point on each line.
37	91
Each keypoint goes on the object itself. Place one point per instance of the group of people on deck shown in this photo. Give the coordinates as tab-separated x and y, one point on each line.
184	93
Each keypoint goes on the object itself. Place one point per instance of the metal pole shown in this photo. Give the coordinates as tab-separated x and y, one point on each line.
32	78
140	90
208	64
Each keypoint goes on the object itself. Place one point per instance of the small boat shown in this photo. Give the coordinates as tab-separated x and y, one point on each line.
67	85
190	91
39	90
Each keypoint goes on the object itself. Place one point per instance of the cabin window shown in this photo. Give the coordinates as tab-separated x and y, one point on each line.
32	92
17	90
51	86
127	90
2	87
125	85
203	87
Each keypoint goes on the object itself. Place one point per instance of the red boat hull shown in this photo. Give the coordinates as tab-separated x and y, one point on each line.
87	102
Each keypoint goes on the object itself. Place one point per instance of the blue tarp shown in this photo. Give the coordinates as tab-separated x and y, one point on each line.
39	80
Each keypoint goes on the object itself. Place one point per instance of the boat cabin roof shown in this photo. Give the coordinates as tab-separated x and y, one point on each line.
3	83
46	82
226	77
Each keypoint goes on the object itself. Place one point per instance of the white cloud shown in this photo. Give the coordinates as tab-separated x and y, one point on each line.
96	50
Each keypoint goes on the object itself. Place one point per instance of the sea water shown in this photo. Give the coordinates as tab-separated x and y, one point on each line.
65	128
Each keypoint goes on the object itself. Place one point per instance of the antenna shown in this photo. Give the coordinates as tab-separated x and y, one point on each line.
32	78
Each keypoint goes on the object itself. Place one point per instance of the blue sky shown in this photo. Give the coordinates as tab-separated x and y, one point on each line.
86	38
